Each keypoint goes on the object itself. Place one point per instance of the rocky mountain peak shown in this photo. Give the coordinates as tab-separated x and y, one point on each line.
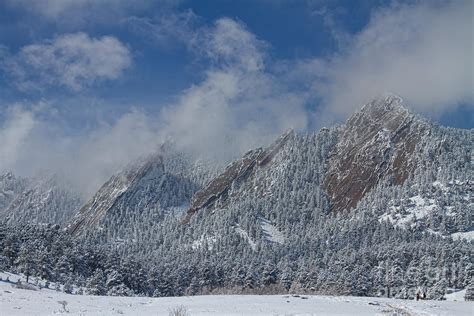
155	185
383	113
381	104
375	143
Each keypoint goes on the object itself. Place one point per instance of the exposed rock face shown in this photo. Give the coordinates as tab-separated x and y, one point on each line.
219	185
375	143
239	170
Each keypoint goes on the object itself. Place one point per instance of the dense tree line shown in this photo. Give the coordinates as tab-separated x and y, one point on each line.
367	258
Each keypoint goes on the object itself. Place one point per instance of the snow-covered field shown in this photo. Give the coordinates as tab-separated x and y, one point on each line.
14	301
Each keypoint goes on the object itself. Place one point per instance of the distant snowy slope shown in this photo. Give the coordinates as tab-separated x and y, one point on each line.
10	187
39	200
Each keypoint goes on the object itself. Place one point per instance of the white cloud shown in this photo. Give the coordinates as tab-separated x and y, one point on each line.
165	29
422	52
14	134
239	105
32	142
229	43
72	60
108	148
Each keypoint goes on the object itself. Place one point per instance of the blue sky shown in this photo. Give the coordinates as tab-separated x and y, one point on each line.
111	79
161	69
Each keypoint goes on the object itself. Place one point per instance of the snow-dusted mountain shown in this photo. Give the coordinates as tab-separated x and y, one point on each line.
39	200
238	171
150	187
383	147
381	205
407	170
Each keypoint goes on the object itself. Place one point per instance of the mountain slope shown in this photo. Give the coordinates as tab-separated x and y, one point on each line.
43	201
152	186
40	200
237	171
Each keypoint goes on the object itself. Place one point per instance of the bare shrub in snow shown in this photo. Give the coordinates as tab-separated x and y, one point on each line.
179	311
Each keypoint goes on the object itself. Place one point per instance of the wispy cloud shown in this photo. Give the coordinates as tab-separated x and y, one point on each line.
71	60
168	27
14	135
239	105
422	51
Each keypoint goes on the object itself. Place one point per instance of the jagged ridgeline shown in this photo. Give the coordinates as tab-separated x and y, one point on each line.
381	205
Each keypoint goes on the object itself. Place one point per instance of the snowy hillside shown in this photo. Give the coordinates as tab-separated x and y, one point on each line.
15	301
10	187
42	199
446	207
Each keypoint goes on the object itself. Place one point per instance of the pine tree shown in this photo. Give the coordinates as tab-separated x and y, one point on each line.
96	283
194	287
68	286
268	274
469	296
25	261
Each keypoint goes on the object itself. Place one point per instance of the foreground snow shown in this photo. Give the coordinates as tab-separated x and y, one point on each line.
14	301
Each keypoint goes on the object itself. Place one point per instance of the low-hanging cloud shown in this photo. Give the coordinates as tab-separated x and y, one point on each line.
14	135
422	52
73	60
32	144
